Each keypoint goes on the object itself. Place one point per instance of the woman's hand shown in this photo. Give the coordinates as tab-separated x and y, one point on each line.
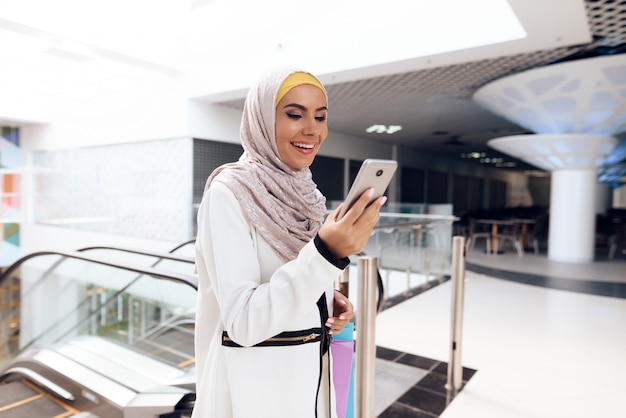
349	235
343	312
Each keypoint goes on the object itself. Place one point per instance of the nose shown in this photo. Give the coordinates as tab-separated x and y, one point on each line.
311	127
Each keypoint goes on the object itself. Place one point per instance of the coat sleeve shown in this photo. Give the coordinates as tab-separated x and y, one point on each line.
251	309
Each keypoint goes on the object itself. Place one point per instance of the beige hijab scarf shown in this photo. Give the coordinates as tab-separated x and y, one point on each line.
281	202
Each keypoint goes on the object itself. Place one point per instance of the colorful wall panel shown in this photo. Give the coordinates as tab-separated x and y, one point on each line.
10	202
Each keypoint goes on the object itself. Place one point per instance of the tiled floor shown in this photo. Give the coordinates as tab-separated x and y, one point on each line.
531	347
418	385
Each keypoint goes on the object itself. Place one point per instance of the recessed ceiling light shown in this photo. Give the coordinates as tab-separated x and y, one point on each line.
383	129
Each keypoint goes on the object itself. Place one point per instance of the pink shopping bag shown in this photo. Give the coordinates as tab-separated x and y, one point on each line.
342	352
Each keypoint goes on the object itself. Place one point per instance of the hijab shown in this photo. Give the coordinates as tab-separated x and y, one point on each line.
281	202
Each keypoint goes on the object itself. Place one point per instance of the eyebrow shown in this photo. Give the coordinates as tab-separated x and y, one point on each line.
299	106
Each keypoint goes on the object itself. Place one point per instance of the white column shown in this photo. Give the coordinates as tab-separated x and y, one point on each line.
574	161
572	216
575	108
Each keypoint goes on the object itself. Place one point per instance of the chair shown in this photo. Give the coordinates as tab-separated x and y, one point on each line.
617	239
538	232
511	233
477	230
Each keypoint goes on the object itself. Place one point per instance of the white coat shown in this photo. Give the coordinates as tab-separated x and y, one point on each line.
247	291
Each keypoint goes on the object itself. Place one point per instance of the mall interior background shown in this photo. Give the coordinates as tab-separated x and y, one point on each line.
100	145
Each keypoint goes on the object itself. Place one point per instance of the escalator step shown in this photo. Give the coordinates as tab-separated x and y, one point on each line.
20	399
14	392
38	408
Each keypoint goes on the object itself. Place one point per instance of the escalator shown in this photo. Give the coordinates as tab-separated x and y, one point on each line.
86	335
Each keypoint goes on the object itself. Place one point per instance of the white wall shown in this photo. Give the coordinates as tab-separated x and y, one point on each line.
152	108
209	121
218	123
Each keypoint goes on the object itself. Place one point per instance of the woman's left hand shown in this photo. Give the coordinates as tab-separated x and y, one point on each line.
343	312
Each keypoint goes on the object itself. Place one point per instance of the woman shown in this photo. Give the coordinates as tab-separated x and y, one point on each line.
266	263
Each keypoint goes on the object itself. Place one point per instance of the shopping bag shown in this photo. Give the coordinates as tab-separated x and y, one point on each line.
342	352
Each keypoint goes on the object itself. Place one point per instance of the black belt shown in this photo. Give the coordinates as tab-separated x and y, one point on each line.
304	336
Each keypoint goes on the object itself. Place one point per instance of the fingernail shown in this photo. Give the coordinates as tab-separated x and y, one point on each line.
370	192
329	322
341	317
383	200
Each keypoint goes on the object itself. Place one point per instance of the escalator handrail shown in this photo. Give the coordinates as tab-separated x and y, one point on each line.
182	244
185	278
166	256
40	380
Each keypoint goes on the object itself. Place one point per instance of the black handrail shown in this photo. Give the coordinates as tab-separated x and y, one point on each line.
188	279
160	256
164	256
181	245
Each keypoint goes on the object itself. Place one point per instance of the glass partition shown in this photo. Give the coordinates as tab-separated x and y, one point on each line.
412	250
417	243
52	298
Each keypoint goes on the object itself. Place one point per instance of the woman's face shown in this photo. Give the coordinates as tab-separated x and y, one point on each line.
301	125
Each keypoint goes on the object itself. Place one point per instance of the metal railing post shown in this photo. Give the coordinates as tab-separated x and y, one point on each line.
365	356
342	283
455	368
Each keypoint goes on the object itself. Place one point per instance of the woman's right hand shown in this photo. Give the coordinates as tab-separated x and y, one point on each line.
349	235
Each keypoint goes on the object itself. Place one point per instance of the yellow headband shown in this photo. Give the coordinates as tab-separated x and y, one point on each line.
295	80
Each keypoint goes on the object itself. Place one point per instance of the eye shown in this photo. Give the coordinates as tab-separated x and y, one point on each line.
294	116
320	118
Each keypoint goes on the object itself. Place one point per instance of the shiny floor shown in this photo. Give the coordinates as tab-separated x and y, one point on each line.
540	339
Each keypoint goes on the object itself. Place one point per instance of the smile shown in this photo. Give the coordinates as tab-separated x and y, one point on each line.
303	146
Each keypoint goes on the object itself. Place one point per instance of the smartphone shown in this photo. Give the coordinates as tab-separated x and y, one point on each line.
373	174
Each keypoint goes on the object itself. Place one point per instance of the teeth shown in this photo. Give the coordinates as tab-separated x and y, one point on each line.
305	146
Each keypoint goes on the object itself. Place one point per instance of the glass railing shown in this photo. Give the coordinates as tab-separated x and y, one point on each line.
409	242
51	297
412	250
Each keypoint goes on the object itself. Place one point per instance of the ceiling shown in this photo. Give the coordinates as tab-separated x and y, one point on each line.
429	96
434	106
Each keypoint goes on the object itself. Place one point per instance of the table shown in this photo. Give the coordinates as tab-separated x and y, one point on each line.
495	223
